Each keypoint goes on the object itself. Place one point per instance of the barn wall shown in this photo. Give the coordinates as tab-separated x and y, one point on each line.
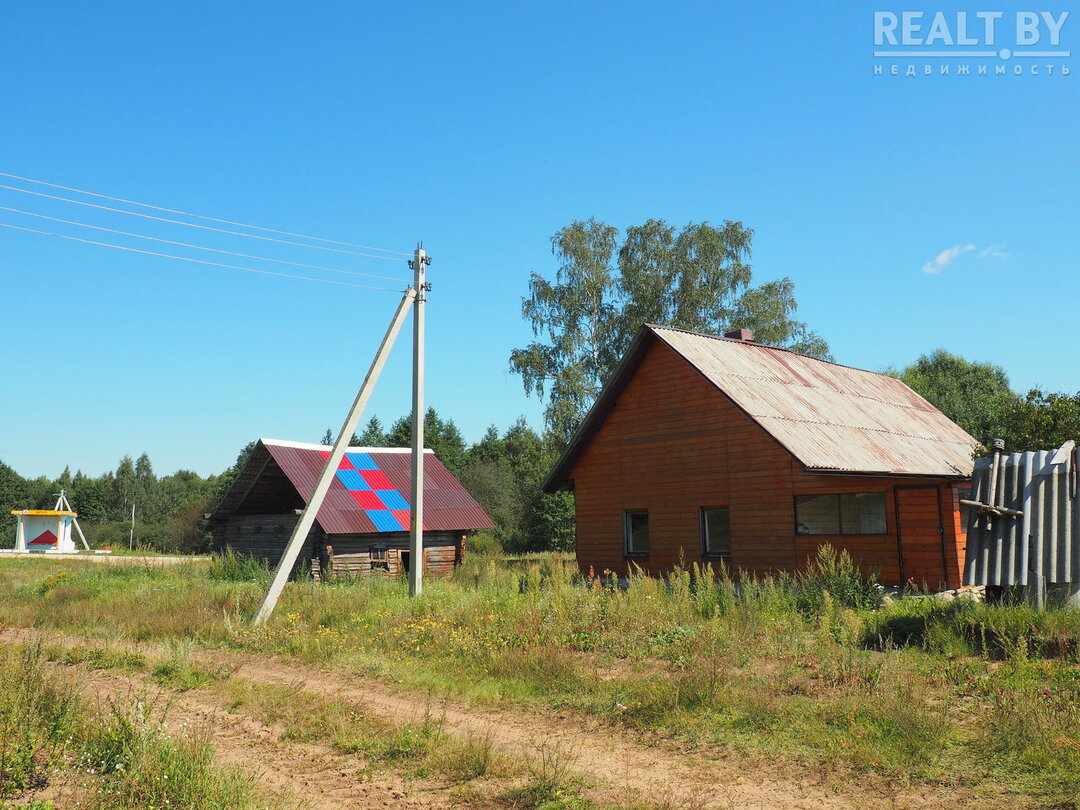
350	554
263	537
673	444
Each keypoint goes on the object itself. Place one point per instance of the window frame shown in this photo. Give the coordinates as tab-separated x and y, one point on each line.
627	552
704	530
840	514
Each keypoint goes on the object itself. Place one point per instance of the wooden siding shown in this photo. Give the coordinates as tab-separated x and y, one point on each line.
673	444
263	537
350	555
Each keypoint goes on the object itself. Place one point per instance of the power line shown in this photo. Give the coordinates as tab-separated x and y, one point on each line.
200	216
198	261
200	247
194	225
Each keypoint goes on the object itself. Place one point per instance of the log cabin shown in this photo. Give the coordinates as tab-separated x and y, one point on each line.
363	524
720	449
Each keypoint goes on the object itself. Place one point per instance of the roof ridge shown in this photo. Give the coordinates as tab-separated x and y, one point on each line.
756	345
350	449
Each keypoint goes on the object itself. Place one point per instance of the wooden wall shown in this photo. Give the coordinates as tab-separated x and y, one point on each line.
263	537
350	554
674	444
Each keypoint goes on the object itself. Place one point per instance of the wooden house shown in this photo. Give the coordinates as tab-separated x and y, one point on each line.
710	449
362	525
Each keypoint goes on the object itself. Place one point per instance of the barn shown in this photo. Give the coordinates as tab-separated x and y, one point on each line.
362	525
709	449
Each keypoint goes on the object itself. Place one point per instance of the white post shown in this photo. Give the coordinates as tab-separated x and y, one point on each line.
416	526
131	537
307	517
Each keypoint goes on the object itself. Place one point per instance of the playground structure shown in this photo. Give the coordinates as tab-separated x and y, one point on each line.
48	530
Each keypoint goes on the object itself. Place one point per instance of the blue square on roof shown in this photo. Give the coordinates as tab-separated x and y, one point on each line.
383	520
362	461
392	498
352	480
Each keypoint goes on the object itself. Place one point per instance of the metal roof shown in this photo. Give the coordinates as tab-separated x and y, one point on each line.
369	493
830	417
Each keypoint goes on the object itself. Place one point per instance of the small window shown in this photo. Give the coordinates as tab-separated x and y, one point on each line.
716	531
636	533
848	513
379	560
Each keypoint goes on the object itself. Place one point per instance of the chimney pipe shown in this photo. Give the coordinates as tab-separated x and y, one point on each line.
741	334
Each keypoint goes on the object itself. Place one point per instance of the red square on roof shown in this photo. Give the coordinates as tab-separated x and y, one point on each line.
344	464
404	517
376	479
367	499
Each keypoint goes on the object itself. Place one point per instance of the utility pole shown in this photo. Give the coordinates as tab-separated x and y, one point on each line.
416	528
307	517
131	537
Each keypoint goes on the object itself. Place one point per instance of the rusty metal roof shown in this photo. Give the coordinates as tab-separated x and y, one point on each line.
830	417
370	492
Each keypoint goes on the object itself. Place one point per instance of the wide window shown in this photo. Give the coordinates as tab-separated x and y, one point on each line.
847	513
636	533
716	531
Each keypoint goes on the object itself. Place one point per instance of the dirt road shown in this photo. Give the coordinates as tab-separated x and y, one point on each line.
620	770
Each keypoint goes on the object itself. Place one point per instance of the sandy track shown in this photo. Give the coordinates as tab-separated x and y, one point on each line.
622	769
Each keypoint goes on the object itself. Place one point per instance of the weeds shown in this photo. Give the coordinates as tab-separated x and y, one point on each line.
810	667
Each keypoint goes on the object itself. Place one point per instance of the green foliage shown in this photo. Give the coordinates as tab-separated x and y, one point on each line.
441	435
37	715
835	576
169	509
931	694
232	567
505	475
977	397
695	278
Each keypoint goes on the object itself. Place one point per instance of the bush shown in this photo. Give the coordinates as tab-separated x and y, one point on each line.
838	575
232	567
485	543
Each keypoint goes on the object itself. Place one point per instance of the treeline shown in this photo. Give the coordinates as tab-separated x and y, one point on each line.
503	472
168	510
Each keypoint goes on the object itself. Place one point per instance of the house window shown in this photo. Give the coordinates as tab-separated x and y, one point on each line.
636	533
379	560
847	513
716	531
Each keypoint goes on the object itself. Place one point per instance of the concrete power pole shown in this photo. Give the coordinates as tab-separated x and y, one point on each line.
416	529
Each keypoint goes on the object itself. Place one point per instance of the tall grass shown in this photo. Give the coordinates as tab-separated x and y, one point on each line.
811	667
122	757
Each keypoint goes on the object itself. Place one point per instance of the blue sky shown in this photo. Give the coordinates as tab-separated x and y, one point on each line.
481	128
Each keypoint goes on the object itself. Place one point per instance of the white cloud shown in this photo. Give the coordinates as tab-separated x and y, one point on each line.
942	260
994	252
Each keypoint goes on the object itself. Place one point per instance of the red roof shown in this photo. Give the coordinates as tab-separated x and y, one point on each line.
371	491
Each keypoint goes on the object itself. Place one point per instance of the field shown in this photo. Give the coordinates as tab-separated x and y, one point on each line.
516	684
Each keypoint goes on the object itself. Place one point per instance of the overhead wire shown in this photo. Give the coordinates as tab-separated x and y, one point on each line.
199	261
200	216
200	247
195	225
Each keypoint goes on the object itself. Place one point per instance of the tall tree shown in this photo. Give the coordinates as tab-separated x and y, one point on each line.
975	395
697	277
440	435
372	436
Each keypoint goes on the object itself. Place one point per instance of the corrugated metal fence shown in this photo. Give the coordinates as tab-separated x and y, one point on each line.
1040	547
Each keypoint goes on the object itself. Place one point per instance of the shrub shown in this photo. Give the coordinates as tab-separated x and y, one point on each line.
841	578
232	567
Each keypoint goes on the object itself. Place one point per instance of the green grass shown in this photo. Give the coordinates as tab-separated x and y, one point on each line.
123	757
809	669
